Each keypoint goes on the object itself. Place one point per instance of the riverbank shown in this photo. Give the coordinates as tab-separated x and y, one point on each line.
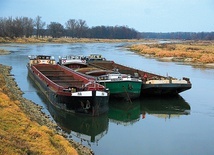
25	129
63	40
195	53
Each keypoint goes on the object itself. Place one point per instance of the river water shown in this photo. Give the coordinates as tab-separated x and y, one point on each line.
179	125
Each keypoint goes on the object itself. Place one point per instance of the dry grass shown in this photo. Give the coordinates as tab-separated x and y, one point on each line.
198	52
20	135
61	40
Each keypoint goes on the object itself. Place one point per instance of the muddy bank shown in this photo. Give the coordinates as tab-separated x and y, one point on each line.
4	52
33	110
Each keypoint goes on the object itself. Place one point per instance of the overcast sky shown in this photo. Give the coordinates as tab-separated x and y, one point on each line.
142	15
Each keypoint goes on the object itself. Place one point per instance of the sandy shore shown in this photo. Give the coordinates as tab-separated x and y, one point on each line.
34	111
211	65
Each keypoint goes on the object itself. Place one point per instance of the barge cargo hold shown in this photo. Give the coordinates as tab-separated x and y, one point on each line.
152	84
66	89
120	85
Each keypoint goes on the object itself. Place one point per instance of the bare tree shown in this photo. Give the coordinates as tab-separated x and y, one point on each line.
18	27
81	28
2	27
71	25
27	26
9	24
76	28
55	29
39	24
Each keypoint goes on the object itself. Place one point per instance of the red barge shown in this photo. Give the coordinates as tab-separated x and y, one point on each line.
66	89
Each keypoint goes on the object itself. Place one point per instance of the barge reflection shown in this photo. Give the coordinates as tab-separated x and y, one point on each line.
126	113
123	112
85	128
165	107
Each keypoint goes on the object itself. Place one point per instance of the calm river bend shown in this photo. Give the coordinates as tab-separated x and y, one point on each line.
180	126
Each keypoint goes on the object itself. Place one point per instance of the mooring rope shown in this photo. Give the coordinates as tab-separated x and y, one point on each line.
129	99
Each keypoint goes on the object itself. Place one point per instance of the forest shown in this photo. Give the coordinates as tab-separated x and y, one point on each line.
28	27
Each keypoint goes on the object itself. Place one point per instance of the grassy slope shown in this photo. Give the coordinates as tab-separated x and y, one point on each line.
19	134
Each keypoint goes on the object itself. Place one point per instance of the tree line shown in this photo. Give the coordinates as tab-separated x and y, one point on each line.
28	27
179	35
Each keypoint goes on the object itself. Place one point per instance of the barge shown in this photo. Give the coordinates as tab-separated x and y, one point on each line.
72	61
152	84
66	89
120	85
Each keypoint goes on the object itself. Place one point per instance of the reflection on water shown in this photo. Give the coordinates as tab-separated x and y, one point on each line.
92	129
85	128
165	107
123	112
126	113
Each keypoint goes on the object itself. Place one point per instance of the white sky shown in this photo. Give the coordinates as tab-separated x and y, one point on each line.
142	15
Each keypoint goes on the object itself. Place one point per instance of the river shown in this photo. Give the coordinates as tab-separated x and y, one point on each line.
178	125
